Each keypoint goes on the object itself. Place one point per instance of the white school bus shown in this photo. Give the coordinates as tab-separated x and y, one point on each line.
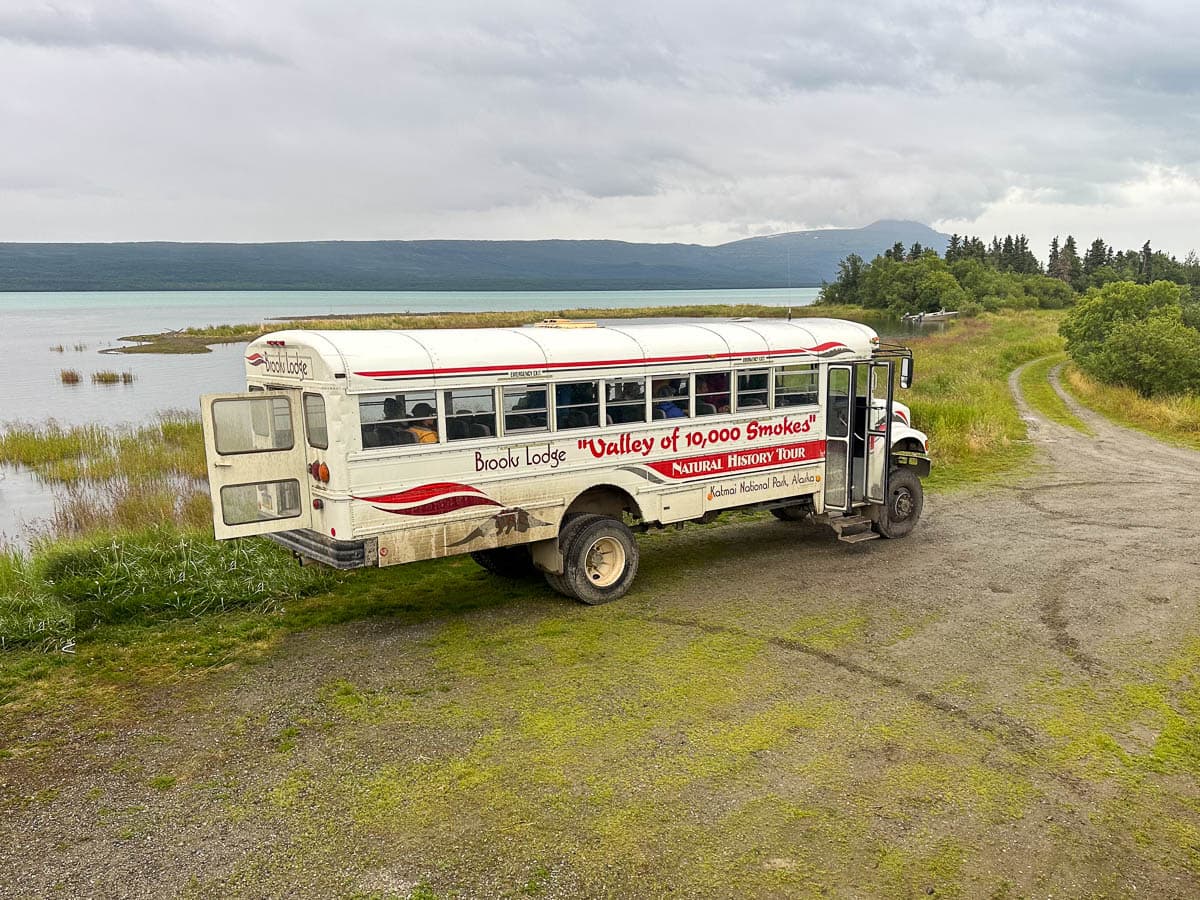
546	447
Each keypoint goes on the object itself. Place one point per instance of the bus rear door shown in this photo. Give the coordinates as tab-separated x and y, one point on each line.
257	462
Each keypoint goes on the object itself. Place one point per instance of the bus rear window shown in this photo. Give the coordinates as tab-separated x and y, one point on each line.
315	425
252	425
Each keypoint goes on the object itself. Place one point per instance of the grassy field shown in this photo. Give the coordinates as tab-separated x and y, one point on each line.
1174	419
198	340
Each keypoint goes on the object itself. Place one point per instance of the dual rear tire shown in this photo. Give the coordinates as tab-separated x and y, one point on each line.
600	559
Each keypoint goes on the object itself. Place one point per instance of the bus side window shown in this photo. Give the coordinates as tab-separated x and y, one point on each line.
672	397
315	425
752	389
470	413
795	386
577	404
408	418
525	408
712	393
626	400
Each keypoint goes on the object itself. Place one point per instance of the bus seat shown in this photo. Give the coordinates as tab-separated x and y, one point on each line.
705	409
457	429
478	430
658	413
370	437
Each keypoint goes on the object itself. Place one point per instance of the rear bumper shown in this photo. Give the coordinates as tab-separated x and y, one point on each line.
328	551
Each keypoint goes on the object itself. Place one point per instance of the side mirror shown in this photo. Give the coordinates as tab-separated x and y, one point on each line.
906	372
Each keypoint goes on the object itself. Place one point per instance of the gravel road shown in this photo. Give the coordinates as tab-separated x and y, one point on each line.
1003	704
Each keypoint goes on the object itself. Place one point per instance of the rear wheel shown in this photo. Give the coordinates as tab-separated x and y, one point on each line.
902	507
566	533
507	562
600	561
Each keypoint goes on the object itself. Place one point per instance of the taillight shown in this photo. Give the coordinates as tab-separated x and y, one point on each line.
323	473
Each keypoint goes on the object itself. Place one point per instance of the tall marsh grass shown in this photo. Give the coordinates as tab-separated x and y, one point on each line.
109	377
171	445
55	592
1173	418
69	376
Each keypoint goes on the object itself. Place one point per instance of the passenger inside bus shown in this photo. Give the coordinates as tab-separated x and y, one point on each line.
665	406
423	428
712	393
626	400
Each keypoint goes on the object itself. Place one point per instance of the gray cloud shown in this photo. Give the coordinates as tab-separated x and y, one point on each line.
138	25
673	121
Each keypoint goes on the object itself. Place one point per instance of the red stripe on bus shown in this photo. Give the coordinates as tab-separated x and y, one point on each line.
592	364
442	505
732	461
423	492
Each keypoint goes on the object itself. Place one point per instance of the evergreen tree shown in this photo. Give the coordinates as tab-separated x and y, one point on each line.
1007	257
1071	265
915	251
1097	256
1052	264
1146	264
954	248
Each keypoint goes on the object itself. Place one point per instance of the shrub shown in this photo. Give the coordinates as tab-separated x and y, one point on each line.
1158	356
1136	335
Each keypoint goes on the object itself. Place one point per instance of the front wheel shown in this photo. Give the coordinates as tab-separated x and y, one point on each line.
601	561
902	507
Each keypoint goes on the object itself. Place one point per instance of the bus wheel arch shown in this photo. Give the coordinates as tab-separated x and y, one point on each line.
604	500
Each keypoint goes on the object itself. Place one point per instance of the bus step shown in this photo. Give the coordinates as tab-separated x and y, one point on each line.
853	529
858	537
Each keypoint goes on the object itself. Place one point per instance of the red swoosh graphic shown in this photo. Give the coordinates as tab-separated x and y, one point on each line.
444	505
423	492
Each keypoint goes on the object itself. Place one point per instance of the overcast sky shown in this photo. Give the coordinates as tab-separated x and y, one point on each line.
248	120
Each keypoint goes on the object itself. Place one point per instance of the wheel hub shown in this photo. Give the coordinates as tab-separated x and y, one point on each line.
604	561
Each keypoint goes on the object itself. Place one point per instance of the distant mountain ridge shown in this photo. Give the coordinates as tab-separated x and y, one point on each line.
793	259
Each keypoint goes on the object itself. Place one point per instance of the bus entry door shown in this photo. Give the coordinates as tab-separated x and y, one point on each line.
257	462
879	430
839	406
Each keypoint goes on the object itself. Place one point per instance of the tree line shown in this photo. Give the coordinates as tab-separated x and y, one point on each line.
974	275
1133	319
